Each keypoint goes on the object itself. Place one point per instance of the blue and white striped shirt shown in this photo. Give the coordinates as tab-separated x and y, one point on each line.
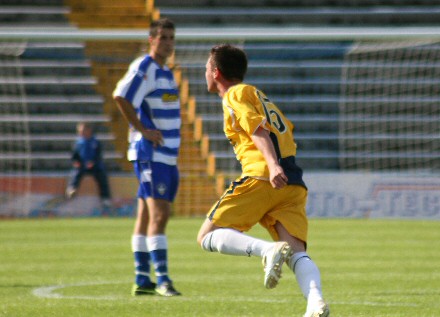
152	91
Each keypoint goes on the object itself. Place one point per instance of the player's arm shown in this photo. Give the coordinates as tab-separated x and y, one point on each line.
263	142
127	110
76	158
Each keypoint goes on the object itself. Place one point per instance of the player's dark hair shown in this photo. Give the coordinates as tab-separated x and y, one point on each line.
230	60
163	23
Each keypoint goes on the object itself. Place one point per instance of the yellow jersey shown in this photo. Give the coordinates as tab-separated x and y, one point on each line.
245	108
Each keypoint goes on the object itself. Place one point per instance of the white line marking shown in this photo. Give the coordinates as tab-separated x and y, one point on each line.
52	293
368	303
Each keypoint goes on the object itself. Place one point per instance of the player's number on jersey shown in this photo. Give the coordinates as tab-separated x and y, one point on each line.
273	117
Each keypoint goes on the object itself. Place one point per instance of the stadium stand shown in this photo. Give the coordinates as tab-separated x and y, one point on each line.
308	84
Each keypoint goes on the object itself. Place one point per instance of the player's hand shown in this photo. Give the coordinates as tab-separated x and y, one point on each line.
277	177
155	136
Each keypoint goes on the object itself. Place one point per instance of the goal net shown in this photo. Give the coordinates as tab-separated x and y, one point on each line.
389	109
15	159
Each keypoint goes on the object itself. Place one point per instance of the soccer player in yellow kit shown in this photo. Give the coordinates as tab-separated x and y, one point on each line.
270	190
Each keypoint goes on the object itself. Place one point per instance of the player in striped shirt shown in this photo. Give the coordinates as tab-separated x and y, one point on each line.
148	98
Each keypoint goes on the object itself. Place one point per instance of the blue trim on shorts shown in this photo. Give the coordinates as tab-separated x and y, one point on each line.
231	189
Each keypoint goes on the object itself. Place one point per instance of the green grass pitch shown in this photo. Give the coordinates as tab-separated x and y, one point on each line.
83	267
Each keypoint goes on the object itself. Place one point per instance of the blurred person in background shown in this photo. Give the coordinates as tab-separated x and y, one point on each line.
87	160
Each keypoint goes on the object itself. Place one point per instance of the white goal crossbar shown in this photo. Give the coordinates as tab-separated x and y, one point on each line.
228	33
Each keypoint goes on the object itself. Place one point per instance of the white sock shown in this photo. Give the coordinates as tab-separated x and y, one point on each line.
157	242
139	243
308	277
233	242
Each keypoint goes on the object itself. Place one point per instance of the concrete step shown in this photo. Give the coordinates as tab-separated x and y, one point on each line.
53	104
291	4
51	123
69	51
57	85
57	3
34	15
62	142
51	161
377	15
35	68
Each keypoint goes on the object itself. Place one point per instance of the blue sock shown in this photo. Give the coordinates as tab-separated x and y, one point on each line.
159	259
158	246
142	266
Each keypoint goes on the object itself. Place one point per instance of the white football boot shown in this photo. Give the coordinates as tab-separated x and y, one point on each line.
321	309
273	262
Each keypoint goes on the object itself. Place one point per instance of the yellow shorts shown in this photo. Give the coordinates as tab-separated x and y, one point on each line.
248	201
